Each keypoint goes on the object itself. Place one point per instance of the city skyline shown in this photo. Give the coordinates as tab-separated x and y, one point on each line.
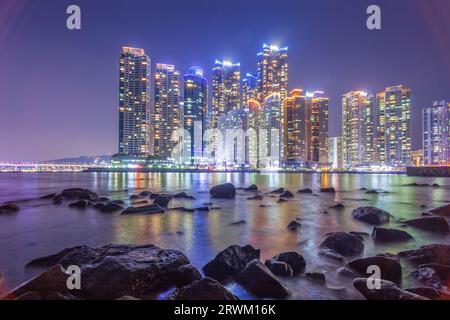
328	67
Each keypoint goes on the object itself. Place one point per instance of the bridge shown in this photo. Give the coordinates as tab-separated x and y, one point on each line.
28	166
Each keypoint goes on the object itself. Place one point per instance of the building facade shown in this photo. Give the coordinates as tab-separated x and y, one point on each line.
317	129
272	72
249	88
436	134
295	123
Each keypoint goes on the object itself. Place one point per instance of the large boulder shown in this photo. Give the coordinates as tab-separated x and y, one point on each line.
432	224
115	270
371	215
79	194
226	191
387	291
279	268
390	267
427	292
257	279
204	289
441	211
442	270
187	274
431	278
433	253
293	259
161	201
331	254
390	235
230	262
9	207
80	204
149	209
343	243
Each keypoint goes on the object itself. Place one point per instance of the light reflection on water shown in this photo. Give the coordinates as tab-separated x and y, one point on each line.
41	228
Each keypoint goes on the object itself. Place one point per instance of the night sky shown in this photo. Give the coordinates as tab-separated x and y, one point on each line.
59	88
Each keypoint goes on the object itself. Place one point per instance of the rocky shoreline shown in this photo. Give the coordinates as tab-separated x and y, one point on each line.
124	271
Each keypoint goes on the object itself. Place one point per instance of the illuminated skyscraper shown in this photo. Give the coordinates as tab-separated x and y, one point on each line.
256	134
273	110
436	134
317	128
134	103
167	114
379	126
398	126
335	157
295	125
249	88
226	88
195	111
273	71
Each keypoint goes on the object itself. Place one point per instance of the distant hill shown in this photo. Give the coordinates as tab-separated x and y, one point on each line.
82	160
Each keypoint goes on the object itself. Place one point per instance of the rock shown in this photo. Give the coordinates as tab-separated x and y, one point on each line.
390	235
30	295
48	196
279	268
238	222
359	234
186	274
329	190
348	273
344	244
127	298
372	192
202	209
204	289
433	253
256	278
80	204
429	277
307	190
103	199
9	208
277	191
183	195
338	206
57	199
161	201
118	202
427	292
286	194
441	211
281	200
442	270
79	194
135	197
294	259
432	224
294	225
145	194
390	268
226	191
116	270
253	187
156	195
331	254
230	262
149	209
107	207
371	215
387	291
316	276
257	197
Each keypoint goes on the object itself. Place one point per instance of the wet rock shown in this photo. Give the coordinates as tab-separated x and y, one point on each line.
204	289
103	199
256	278
279	268
390	268
107	207
226	191
348	273
344	244
432	224
387	291
29	296
118	202
161	201
294	259
371	215
9	208
80	204
318	277
277	191
253	187
145	194
48	196
307	190
427	292
57	200
238	222
359	234
281	200
183	195
329	190
186	274
202	209
390	235
338	206
434	253
257	197
331	254
127	298
294	225
441	211
79	194
429	277
149	209
286	194
230	262
415	184
372	192
442	270
135	197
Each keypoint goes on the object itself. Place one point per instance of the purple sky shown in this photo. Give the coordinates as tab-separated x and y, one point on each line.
59	88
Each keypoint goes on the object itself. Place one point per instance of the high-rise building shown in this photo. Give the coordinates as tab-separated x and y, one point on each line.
134	103
398	126
295	125
317	129
233	127
249	88
167	114
195	110
436	134
273	116
226	90
379	127
273	71
335	156
256	135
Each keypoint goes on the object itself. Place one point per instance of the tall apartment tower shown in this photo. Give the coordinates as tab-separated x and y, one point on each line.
273	115
249	88
167	114
195	112
436	134
135	131
317	128
273	71
226	90
256	134
398	126
379	127
295	123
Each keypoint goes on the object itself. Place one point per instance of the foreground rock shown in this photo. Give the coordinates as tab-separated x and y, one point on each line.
371	215
149	209
441	211
204	289
427	292
429	277
434	253
279	268
113	271
343	243
387	291
79	194
226	191
442	270
230	262
161	201
187	274
80	204
390	235
390	267
9	208
293	260
432	224
256	278
331	254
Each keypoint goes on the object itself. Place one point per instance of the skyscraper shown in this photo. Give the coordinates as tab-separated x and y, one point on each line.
398	126
167	113
273	71
273	116
195	111
379	127
295	125
317	128
249	88
256	135
436	134
134	103
226	86
335	157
